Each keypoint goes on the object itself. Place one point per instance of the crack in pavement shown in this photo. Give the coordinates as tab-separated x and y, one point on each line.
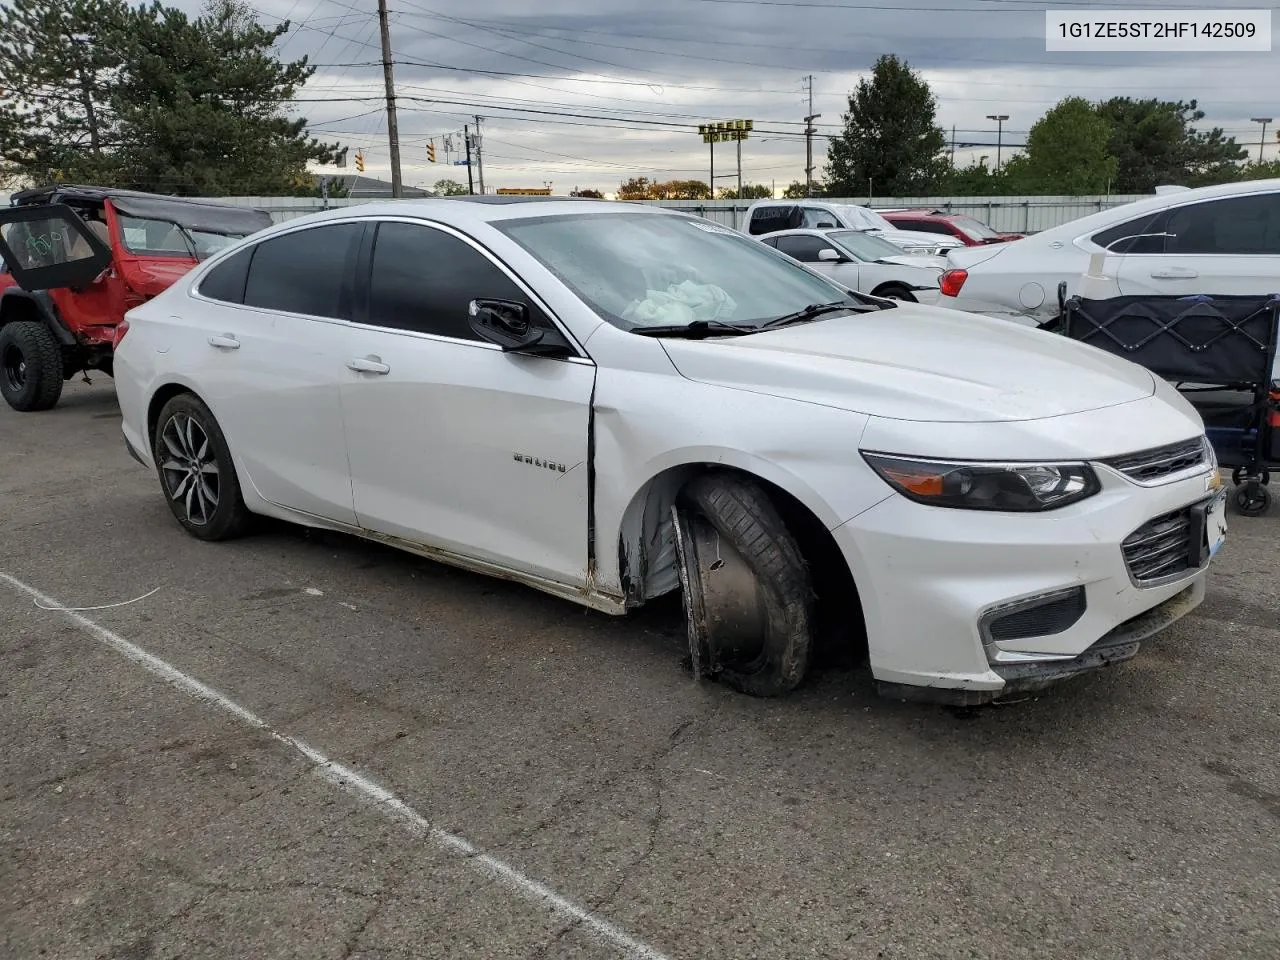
653	767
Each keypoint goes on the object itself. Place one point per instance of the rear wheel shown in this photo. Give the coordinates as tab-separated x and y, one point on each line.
196	471
30	366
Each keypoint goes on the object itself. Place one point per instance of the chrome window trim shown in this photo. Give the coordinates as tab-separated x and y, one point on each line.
194	293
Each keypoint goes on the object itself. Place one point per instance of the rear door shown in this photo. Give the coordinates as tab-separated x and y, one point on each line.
1225	246
48	246
269	342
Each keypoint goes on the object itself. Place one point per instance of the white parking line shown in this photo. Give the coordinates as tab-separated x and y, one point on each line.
603	930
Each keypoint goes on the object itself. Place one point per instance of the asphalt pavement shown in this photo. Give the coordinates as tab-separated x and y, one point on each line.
303	745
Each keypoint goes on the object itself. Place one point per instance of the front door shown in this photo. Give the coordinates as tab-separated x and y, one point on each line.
454	443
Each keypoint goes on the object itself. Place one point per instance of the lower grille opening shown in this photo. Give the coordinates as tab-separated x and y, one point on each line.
1039	617
1159	548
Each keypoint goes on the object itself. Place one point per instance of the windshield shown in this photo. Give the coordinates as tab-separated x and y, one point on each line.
864	217
646	270
975	228
864	246
162	238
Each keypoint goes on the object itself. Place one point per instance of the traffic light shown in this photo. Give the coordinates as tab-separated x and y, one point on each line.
360	160
431	151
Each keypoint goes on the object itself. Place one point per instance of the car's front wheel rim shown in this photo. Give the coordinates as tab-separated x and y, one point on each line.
15	368
190	468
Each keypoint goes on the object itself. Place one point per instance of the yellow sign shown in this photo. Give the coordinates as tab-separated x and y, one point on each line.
524	191
726	130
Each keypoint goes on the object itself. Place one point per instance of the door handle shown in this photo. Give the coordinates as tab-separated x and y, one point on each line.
1174	273
227	342
370	364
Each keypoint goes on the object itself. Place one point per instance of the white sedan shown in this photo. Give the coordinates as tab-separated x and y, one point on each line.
863	262
610	404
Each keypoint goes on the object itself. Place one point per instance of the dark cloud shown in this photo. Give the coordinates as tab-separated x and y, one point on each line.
633	73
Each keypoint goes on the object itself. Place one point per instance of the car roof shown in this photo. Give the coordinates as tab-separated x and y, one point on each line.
1154	204
464	211
69	191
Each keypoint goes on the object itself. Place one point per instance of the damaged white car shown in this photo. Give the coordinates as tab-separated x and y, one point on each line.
610	403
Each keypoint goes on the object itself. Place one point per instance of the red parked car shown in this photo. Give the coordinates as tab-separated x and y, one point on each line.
76	259
970	232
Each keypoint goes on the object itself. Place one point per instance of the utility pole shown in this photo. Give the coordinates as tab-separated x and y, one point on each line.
999	118
1262	138
479	155
953	146
393	130
809	131
739	168
466	139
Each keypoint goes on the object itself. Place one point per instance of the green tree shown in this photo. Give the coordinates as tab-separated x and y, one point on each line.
977	180
1155	143
1066	153
59	60
681	190
1267	170
592	194
890	138
750	191
637	188
795	190
448	188
203	104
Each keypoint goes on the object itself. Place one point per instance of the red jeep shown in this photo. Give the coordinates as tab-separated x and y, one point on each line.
75	259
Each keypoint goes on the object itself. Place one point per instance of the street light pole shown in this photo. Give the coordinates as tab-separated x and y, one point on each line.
999	118
1262	138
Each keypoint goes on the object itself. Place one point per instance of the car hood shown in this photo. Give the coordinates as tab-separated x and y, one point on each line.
918	363
916	238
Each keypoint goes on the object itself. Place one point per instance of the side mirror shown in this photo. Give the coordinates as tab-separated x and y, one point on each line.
829	256
826	225
504	322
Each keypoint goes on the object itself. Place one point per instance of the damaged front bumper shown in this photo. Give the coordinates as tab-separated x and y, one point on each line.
1118	645
964	607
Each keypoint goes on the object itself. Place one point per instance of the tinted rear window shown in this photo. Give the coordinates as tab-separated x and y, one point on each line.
307	272
226	281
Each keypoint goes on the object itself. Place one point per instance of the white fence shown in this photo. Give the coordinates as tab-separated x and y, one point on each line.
1016	214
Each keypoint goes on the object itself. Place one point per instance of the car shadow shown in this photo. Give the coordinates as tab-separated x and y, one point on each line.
839	687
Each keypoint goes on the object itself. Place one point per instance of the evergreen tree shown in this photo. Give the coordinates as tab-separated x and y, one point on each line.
203	105
891	142
59	60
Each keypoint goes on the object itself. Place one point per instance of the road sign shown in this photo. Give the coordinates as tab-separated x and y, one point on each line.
462	163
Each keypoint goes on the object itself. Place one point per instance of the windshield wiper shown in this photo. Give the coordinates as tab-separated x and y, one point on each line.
811	312
696	330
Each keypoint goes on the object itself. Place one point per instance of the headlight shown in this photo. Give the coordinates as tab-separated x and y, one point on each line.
1020	487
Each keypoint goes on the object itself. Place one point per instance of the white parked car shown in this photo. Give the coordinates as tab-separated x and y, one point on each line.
1211	240
610	403
862	262
770	216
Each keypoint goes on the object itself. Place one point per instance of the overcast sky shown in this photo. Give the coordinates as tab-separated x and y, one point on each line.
633	76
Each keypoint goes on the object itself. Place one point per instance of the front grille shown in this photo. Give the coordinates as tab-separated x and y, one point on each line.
1160	547
1152	466
1040	619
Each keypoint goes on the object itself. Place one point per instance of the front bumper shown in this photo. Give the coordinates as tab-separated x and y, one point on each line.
930	578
